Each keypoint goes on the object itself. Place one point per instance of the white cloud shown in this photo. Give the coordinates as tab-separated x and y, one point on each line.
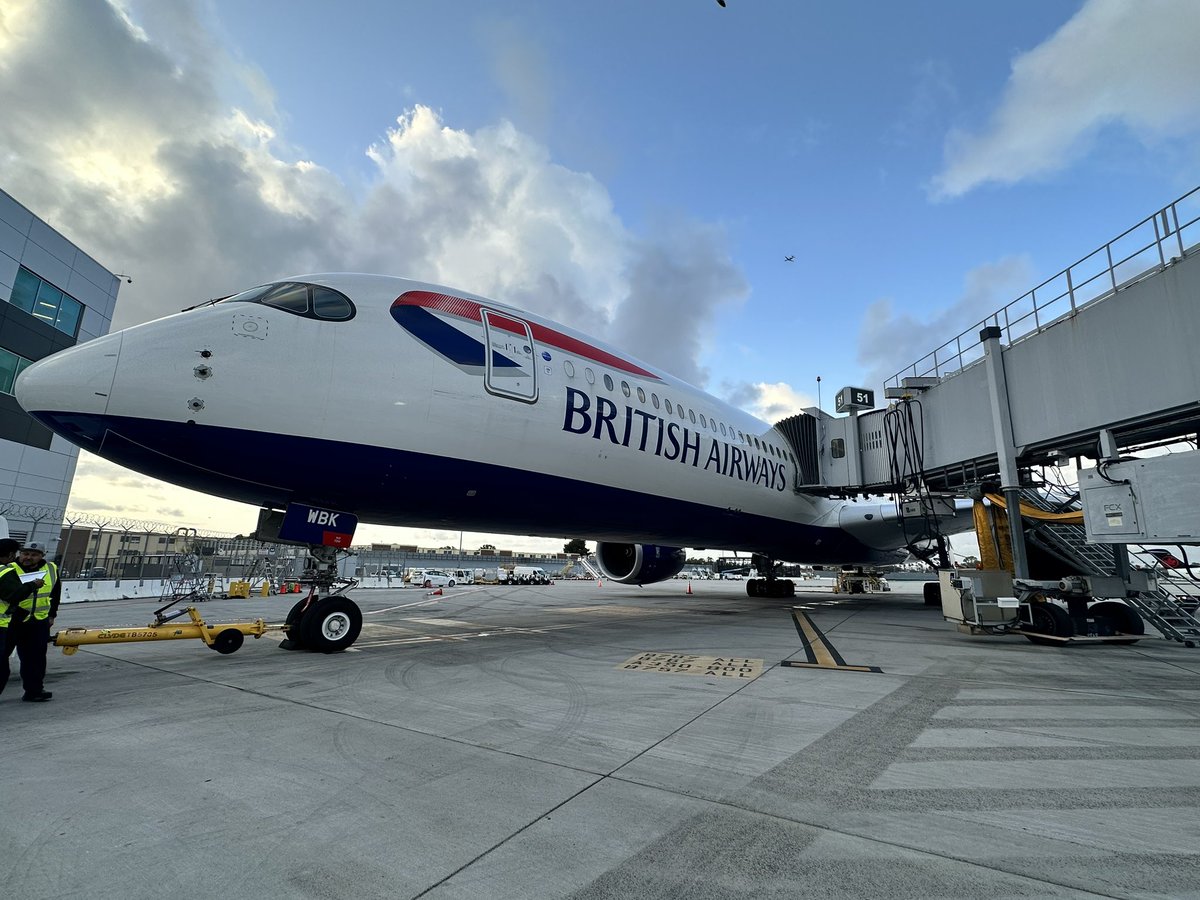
1115	63
889	341
769	401
172	164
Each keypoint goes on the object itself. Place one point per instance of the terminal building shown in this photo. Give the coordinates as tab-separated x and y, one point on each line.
56	296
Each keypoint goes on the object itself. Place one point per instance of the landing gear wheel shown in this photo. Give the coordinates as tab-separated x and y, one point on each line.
228	641
295	627
1125	619
332	624
932	592
1048	618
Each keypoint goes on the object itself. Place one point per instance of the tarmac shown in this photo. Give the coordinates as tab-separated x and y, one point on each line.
595	740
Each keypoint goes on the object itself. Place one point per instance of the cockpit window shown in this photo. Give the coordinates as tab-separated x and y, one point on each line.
292	297
329	304
309	300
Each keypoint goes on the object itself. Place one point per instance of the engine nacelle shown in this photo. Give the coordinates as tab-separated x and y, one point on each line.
639	563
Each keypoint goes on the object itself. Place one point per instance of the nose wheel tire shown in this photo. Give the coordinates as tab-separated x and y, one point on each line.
295	627
331	625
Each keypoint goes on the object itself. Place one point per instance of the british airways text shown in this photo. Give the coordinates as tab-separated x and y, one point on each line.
649	433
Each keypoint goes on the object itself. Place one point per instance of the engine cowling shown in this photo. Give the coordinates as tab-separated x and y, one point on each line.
639	563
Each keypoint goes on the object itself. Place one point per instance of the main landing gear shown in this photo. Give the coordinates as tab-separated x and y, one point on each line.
326	623
771	585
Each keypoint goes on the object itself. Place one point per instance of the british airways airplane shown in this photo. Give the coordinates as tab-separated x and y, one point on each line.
404	403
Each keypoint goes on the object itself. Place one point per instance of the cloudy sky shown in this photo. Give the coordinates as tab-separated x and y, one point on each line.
636	170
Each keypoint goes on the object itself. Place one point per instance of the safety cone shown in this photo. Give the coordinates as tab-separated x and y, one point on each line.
599	583
689	590
436	593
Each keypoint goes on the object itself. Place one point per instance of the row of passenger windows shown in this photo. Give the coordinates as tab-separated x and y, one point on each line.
687	415
44	301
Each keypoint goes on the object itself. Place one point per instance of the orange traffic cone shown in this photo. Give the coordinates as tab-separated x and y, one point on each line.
689	590
436	593
599	583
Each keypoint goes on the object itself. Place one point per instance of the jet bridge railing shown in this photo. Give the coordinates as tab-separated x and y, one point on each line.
1143	250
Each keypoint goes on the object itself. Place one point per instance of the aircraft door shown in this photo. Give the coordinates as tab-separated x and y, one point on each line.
511	363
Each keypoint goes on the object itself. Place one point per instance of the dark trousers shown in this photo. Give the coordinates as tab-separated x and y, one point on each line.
5	649
31	639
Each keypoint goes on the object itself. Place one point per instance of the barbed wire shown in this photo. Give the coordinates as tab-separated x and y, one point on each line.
100	521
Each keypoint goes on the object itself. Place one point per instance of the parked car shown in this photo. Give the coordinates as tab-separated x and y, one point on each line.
432	578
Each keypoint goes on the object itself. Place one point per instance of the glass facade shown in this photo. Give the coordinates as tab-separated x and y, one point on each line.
11	366
44	301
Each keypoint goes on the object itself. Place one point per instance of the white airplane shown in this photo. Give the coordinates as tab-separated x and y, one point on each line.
340	397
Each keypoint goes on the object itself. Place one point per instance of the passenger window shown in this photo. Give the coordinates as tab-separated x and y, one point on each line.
692	415
608	382
641	396
679	409
654	400
569	368
625	388
669	408
589	375
723	434
703	421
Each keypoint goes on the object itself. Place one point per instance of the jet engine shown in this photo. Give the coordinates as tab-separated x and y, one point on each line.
639	563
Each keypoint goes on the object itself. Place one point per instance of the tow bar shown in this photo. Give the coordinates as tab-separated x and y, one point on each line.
225	638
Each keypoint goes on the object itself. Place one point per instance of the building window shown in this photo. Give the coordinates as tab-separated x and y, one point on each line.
44	301
11	366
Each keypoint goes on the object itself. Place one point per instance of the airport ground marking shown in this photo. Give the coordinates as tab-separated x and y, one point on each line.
740	667
819	653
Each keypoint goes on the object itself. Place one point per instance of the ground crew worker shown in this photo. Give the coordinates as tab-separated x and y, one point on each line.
33	605
8	552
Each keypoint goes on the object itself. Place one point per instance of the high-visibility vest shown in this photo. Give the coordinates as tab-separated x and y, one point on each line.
37	603
5	614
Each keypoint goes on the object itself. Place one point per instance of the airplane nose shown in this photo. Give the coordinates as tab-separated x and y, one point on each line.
76	381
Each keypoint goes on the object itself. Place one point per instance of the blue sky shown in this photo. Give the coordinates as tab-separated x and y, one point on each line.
637	170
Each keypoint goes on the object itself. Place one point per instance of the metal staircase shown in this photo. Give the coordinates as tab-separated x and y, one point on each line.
1171	608
588	563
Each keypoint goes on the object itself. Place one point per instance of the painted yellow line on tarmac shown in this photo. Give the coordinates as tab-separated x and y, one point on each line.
819	653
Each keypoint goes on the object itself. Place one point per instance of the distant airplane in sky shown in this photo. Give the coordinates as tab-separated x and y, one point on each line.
789	259
345	397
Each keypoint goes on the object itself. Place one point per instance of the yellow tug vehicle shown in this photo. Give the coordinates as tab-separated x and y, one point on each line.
224	638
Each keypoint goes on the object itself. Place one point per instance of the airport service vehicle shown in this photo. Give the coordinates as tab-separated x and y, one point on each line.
432	578
528	575
329	399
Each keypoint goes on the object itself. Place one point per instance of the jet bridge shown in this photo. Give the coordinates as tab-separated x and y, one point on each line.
1094	364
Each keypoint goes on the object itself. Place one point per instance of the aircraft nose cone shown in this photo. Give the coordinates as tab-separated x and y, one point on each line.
73	381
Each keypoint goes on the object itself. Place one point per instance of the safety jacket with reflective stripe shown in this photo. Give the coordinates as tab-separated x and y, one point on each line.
39	602
5	614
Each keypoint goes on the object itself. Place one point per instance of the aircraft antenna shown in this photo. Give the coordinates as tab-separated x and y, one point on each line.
818	392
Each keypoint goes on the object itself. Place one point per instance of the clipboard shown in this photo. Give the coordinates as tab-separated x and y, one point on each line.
27	577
